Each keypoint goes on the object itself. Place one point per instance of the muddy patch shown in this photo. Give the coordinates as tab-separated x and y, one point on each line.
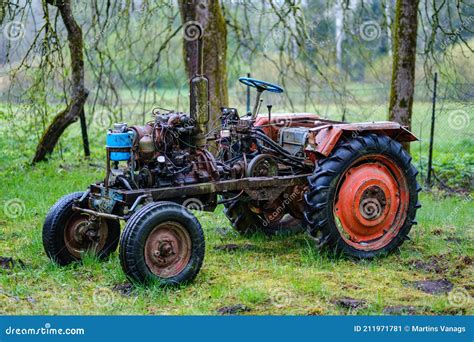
233	309
462	264
124	289
437	286
434	264
350	303
232	247
403	310
441	264
7	263
465	261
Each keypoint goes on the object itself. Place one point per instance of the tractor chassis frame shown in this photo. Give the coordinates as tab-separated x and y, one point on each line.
256	188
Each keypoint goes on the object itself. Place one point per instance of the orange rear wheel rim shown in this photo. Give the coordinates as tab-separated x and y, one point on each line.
371	202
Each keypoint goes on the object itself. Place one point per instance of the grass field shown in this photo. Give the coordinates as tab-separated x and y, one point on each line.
267	276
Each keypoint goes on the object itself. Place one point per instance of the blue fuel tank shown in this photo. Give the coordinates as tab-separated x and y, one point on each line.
120	140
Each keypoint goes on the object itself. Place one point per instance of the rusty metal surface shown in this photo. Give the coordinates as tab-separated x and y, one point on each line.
272	126
255	187
372	202
84	233
168	249
324	138
95	213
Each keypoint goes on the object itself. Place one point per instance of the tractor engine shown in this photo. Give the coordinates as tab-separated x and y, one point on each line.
169	151
161	153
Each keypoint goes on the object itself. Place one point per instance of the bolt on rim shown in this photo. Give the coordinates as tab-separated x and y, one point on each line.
168	249
371	203
84	233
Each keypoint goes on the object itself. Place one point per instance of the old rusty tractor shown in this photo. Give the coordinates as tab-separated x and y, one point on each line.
352	187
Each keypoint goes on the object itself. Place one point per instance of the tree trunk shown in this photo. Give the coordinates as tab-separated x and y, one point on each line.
339	30
388	17
3	6
208	14
78	91
404	56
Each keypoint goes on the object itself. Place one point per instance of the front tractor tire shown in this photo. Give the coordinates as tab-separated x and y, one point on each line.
362	199
162	243
68	234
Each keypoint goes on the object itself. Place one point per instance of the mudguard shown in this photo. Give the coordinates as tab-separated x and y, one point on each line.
323	139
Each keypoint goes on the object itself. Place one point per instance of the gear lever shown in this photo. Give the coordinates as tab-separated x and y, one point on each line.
269	107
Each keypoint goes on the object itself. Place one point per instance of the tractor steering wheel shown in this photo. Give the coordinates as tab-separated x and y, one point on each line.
261	85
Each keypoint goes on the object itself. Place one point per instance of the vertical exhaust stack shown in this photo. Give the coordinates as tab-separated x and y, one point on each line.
199	97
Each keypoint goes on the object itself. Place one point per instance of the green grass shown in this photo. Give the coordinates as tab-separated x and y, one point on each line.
276	276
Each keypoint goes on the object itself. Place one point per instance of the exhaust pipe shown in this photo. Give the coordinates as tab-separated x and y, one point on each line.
199	98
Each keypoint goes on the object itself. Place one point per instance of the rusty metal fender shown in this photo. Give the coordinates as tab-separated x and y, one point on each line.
324	138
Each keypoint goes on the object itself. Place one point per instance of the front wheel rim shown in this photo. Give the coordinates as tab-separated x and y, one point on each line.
168	249
371	203
84	233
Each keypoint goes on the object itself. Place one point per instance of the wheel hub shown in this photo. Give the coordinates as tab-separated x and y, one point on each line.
372	202
168	249
262	166
84	233
368	202
164	251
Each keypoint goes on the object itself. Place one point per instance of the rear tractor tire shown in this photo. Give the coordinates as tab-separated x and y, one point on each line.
163	242
362	199
68	234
